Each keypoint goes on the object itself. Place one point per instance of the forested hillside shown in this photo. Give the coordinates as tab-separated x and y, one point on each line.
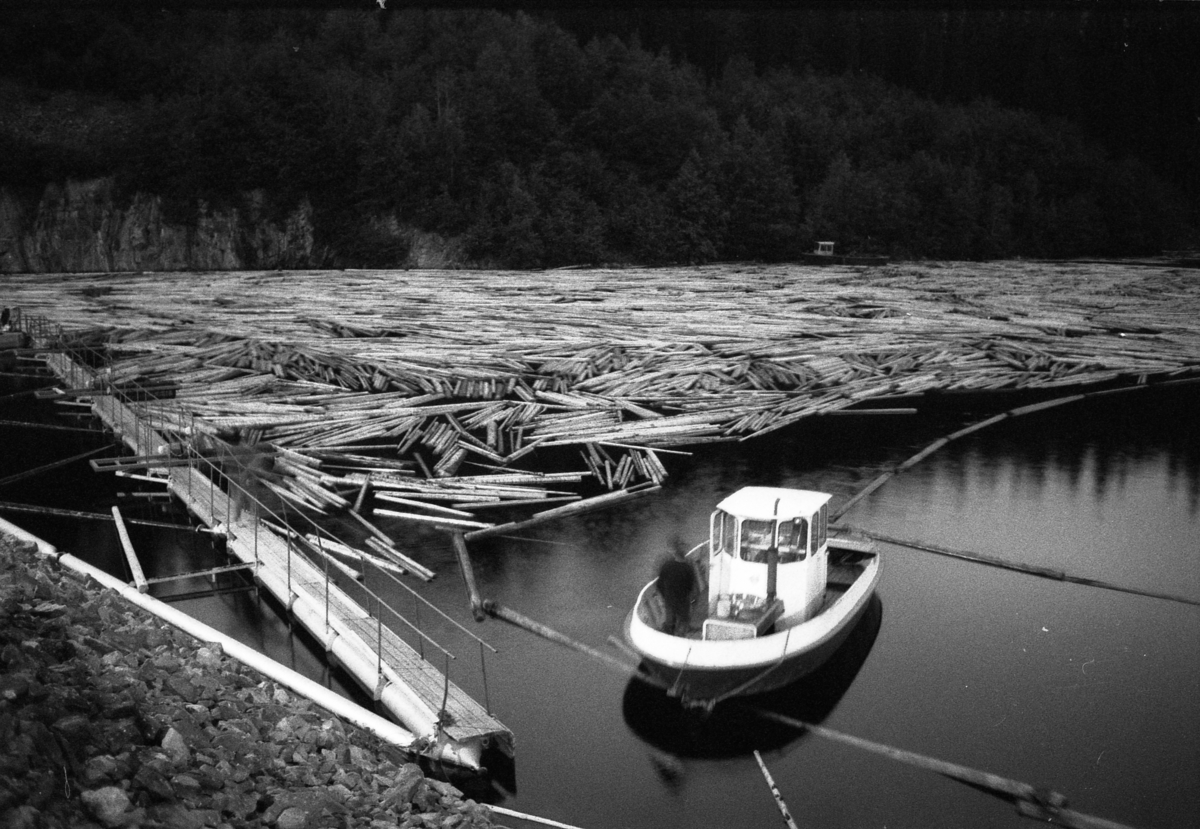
533	146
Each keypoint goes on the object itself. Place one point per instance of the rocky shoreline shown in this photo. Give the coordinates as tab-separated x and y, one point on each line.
109	717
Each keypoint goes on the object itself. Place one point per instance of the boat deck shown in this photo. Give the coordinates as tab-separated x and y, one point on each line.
842	574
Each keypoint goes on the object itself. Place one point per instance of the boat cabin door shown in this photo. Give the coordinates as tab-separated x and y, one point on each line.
803	562
742	569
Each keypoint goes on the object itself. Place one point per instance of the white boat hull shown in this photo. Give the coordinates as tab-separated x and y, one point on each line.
706	671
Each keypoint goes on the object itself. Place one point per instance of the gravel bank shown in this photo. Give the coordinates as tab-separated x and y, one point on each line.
109	717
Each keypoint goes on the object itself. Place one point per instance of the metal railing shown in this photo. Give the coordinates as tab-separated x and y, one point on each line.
155	421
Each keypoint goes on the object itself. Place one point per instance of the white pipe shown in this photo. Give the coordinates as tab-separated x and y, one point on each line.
305	687
545	821
44	547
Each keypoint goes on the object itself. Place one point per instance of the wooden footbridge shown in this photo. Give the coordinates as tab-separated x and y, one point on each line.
358	638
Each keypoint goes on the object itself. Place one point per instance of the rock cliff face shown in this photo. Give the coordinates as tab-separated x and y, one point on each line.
80	227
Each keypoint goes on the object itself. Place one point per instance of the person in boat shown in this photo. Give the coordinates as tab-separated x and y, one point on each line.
676	583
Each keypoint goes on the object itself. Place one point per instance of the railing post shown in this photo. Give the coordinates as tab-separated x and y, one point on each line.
257	561
445	689
487	701
420	632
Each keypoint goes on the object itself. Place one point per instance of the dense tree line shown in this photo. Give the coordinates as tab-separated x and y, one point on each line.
536	148
1126	72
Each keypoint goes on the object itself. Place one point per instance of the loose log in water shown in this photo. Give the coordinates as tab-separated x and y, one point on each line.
577	508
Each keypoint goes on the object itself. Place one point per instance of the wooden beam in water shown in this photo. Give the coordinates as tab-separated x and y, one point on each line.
25	424
214	571
97	516
135	566
129	462
54	465
1030	801
511	616
1029	569
779	801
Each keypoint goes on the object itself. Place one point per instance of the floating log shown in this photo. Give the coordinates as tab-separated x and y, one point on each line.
577	508
468	574
317	546
362	492
435	520
337	548
415	567
395	499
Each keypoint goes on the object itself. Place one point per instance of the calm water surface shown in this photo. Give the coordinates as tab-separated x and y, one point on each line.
1093	693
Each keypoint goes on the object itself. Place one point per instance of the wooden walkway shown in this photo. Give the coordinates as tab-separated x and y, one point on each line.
381	661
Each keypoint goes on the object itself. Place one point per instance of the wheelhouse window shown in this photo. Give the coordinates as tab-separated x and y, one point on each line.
793	540
822	525
757	536
724	533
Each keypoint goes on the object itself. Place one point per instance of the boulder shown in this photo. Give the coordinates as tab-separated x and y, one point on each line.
108	805
293	817
176	746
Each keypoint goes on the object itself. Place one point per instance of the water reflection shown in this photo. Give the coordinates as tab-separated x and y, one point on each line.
732	729
1097	449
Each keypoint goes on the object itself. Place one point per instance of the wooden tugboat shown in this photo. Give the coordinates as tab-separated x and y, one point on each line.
776	598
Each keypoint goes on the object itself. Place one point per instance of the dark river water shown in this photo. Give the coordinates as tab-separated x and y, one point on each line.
1093	693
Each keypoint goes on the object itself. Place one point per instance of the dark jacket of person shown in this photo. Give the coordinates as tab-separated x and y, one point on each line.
676	579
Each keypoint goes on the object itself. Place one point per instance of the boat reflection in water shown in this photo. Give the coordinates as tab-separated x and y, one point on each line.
732	729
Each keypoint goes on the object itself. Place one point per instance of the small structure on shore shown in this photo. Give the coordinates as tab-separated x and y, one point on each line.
824	254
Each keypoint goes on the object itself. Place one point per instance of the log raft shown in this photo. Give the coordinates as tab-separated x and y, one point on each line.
439	387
